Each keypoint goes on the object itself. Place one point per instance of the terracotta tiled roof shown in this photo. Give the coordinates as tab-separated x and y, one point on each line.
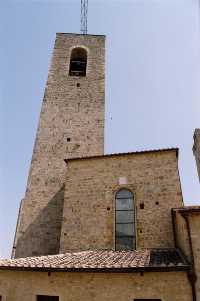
125	261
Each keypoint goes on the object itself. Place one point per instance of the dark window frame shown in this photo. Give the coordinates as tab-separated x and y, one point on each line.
78	62
147	300
47	298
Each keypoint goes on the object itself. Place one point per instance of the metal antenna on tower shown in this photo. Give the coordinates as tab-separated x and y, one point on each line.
84	12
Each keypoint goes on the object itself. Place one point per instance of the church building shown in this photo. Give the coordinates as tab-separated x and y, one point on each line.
95	226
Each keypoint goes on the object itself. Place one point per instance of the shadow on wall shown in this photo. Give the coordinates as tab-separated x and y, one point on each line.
42	237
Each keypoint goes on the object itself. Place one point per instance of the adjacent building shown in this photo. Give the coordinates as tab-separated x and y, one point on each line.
196	149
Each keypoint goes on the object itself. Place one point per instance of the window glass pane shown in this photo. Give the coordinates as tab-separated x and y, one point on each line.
124	193
124	217
124	229
124	204
124	243
125	221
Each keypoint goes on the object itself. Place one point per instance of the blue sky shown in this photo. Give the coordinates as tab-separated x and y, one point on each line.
152	83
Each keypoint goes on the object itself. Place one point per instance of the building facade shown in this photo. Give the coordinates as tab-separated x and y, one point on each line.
91	198
95	226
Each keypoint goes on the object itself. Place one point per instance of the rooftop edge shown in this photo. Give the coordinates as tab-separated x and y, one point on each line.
80	34
123	154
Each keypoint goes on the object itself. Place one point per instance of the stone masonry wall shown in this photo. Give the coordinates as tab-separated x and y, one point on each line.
182	235
194	221
89	205
170	286
71	124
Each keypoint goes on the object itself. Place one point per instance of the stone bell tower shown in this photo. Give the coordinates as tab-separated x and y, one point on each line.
71	125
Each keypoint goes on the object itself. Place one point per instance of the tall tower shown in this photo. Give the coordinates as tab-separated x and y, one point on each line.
71	125
196	149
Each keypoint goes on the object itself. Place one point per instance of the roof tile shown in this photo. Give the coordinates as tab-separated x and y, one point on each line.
101	260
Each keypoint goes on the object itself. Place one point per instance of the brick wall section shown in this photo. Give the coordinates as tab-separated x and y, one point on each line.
170	286
182	235
194	221
89	206
67	111
183	240
196	149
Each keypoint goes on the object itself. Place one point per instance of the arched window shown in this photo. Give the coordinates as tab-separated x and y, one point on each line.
78	62
124	220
